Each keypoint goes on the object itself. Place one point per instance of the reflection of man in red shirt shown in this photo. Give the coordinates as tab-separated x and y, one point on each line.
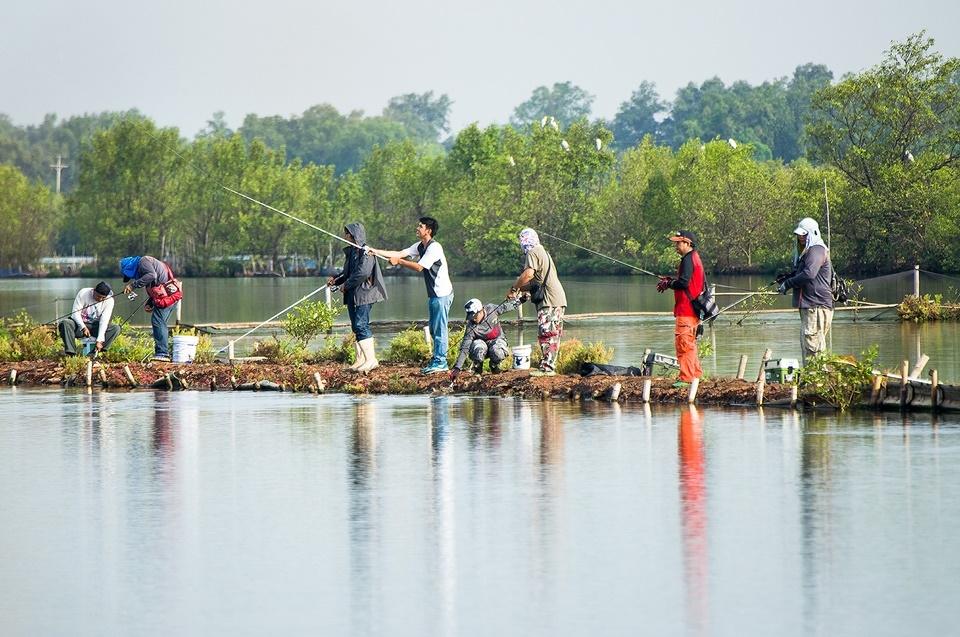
693	507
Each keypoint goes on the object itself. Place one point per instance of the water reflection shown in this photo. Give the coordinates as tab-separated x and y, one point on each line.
363	517
693	507
443	522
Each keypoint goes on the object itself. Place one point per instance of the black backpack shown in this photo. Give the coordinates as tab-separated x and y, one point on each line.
838	287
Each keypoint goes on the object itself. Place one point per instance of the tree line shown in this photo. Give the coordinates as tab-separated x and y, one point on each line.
723	161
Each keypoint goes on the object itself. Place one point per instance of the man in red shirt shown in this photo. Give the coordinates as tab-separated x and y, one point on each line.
688	285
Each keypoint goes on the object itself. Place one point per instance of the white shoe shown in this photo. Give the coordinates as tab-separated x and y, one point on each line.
369	355
358	357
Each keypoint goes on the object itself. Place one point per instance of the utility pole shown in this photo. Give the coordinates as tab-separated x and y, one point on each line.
59	166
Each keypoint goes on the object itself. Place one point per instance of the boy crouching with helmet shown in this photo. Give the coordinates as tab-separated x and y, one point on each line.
484	337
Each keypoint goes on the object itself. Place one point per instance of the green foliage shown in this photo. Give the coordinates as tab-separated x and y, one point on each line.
309	320
397	384
128	347
28	218
22	339
573	353
205	352
408	347
837	380
281	350
564	101
337	350
893	131
453	345
927	308
73	366
704	348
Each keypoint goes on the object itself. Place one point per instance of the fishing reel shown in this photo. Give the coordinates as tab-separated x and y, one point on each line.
131	296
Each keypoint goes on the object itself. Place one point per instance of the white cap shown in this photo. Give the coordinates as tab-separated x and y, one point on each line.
473	306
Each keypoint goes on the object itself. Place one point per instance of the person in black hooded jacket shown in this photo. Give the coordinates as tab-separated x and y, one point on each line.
362	284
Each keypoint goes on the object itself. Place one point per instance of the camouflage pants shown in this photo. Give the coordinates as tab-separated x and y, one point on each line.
549	330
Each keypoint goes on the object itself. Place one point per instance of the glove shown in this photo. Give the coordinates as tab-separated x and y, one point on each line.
782	288
664	284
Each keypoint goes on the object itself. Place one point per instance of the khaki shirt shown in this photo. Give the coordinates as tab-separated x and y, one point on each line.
545	274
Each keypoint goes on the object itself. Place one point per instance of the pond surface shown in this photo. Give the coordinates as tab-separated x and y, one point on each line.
256	299
215	513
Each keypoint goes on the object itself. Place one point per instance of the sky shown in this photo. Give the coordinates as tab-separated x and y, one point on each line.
179	61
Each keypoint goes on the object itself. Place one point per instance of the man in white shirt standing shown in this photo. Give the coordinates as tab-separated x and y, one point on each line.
432	263
92	310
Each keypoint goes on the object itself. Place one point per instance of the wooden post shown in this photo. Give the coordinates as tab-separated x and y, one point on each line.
875	396
614	394
742	369
649	372
102	375
904	381
918	368
520	313
13	377
761	384
230	356
129	375
89	373
428	338
694	386
179	309
319	381
646	389
763	363
934	389
328	296
793	396
916	281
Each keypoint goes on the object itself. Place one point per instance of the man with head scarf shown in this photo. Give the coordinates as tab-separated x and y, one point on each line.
92	310
810	282
539	278
163	291
362	285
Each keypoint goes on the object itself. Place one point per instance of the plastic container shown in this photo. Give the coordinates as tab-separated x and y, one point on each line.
185	348
89	345
781	370
521	357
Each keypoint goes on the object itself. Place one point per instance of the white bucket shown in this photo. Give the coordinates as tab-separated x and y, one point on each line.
521	357
184	348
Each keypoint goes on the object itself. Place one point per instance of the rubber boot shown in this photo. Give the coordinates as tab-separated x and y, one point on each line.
369	355
358	359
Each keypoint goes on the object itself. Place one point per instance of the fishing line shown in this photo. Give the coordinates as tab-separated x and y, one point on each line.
69	314
251	199
286	309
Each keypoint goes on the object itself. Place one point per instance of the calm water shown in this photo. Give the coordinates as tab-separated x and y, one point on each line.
200	514
255	299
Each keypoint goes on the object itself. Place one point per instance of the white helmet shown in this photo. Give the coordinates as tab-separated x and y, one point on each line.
473	306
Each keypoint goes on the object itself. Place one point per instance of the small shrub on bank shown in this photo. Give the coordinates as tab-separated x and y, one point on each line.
281	350
927	308
128	347
337	350
573	352
453	347
73	366
22	339
309	320
837	380
205	352
408	347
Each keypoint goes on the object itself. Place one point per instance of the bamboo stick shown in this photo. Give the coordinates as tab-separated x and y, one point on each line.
918	368
694	386
742	368
904	383
129	375
646	389
934	389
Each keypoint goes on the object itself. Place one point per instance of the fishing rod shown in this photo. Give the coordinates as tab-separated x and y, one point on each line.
69	314
609	258
286	309
252	199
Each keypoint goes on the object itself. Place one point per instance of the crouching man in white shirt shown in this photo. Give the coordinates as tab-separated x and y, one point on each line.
92	310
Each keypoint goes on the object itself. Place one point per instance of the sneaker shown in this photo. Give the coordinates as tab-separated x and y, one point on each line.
434	369
160	358
543	372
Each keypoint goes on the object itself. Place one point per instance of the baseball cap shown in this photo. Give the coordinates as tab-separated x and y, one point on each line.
682	235
472	307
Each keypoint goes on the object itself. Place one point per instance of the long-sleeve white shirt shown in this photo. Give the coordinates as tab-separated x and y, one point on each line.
87	310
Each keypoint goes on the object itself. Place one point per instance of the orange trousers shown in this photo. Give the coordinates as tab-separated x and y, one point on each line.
685	338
